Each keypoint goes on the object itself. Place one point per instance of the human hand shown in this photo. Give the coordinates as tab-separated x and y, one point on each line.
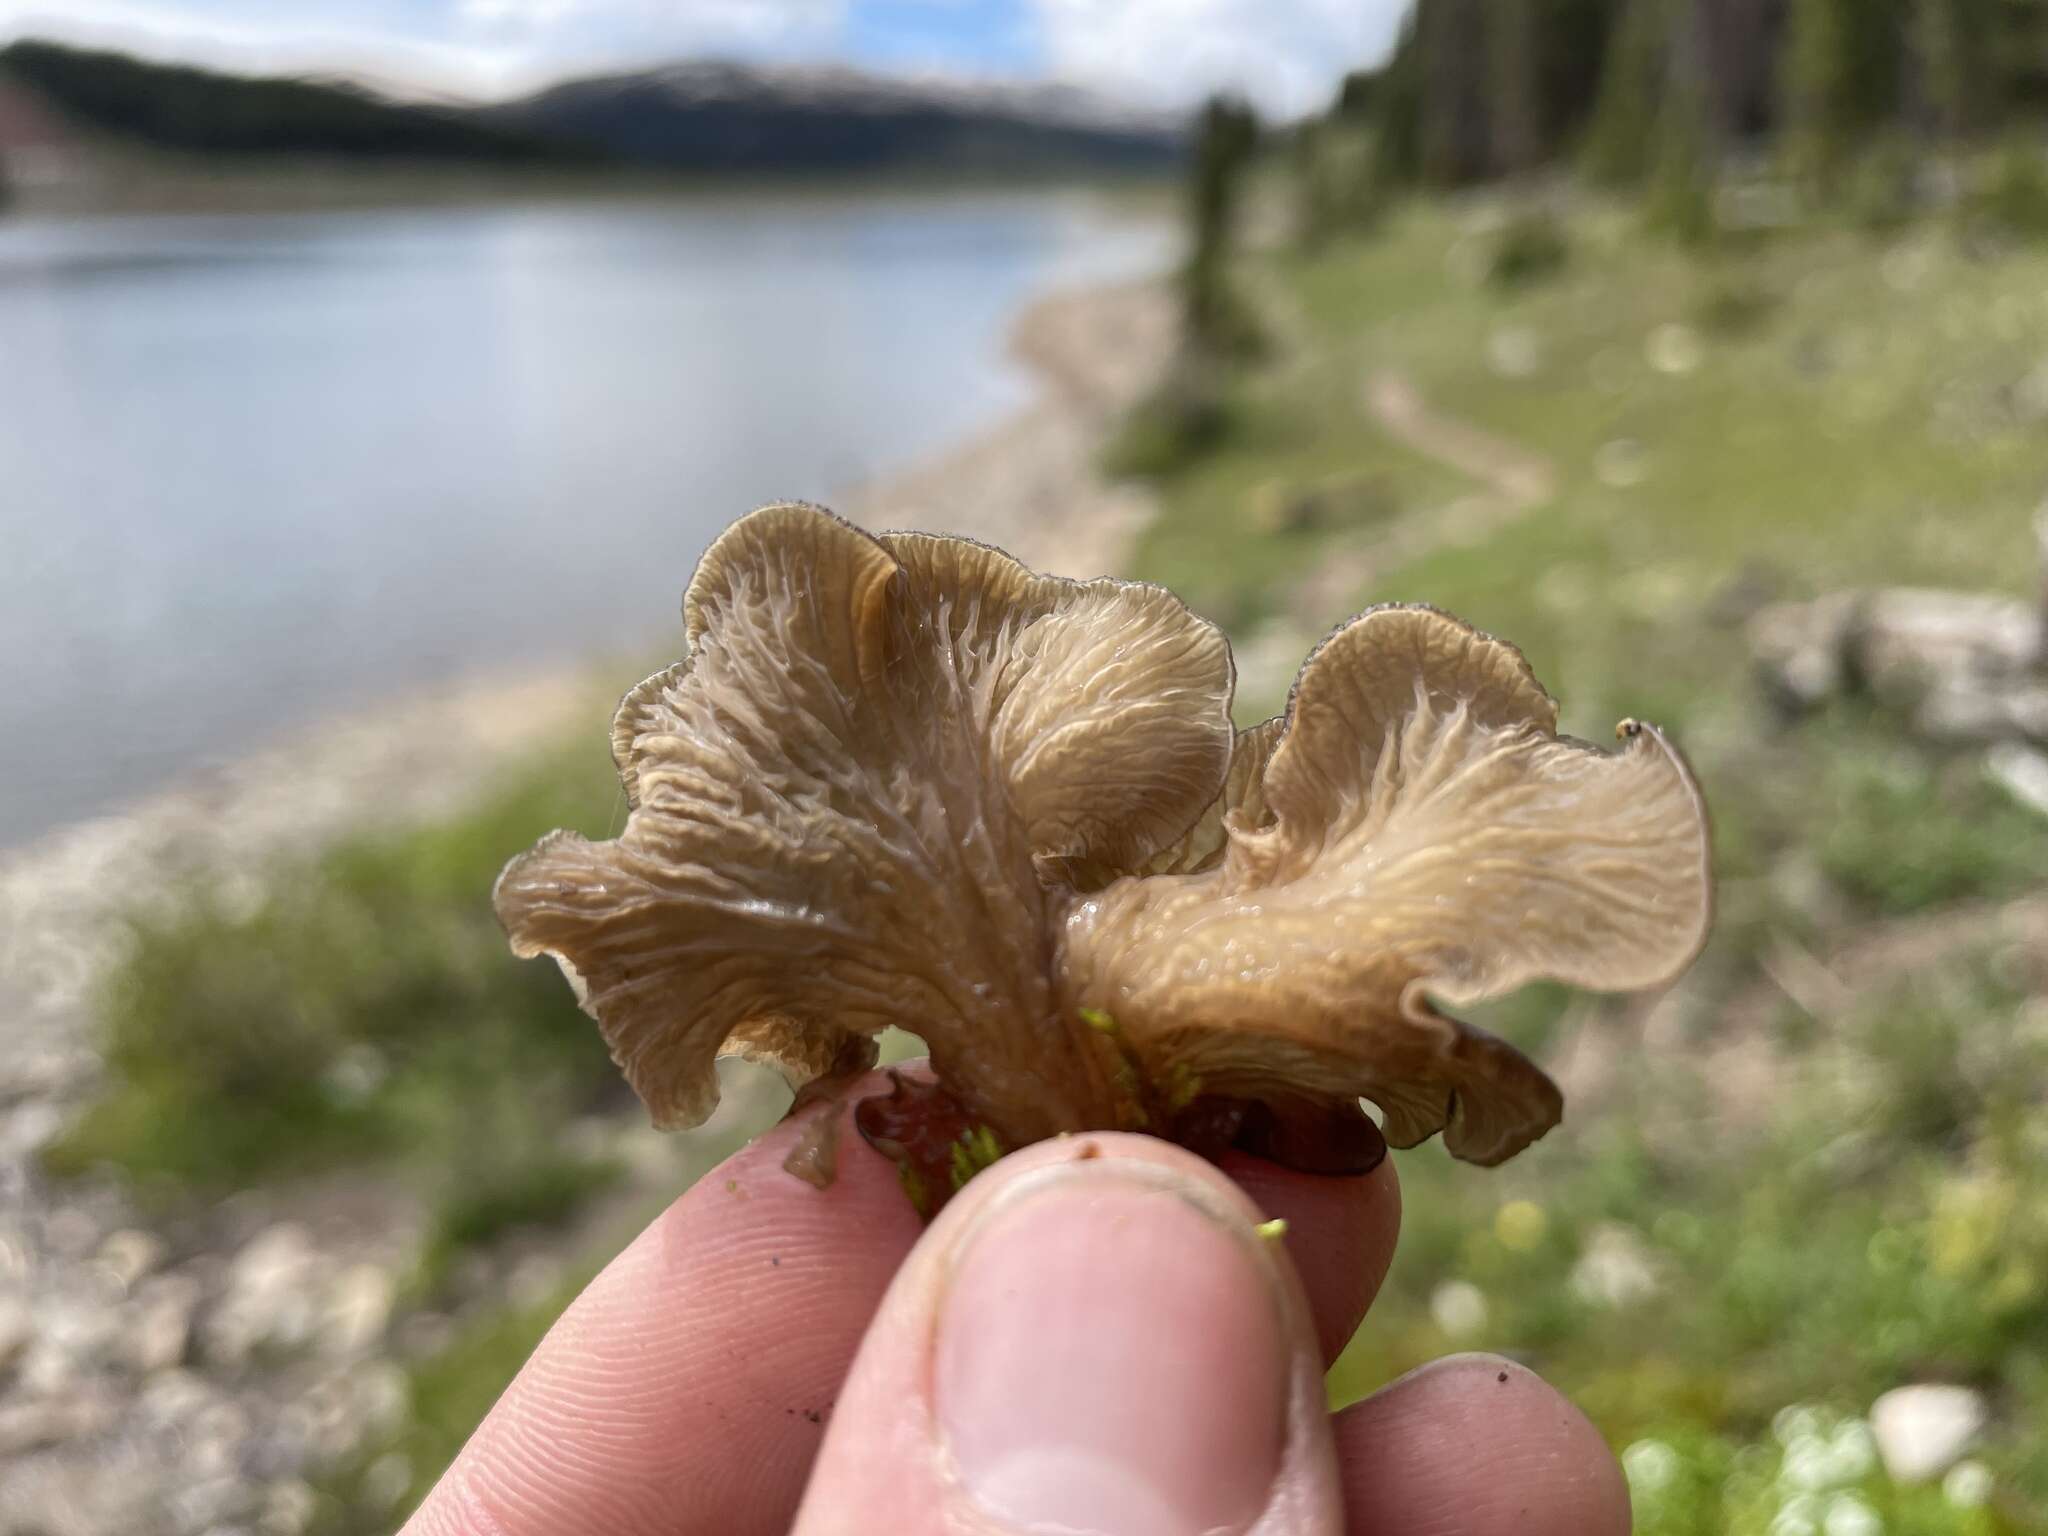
1081	1343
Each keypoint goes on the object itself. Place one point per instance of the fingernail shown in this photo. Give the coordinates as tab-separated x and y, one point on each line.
1112	1361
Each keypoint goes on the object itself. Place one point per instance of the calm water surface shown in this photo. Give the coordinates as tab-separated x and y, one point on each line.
255	469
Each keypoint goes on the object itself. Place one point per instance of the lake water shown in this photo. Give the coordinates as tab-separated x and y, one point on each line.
256	469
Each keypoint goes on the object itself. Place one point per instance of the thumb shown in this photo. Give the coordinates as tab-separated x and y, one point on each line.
1091	1340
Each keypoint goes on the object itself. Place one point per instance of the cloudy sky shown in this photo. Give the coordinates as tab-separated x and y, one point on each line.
1285	54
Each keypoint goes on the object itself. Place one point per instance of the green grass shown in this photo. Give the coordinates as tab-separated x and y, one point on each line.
1836	411
360	1011
1875	1228
485	1202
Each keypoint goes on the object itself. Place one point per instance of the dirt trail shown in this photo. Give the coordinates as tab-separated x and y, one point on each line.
1514	481
1520	478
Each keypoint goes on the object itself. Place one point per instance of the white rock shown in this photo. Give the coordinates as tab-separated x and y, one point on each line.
23	1132
214	1437
15	1249
70	1231
2022	772
276	1257
271	1295
130	1254
160	1324
288	1508
41	1074
71	1335
201	1505
17	1327
52	1420
358	1310
1923	1430
171	1397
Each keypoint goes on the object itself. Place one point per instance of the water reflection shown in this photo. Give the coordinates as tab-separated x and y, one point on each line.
254	469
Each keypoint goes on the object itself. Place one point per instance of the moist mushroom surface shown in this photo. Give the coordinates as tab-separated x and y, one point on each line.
903	779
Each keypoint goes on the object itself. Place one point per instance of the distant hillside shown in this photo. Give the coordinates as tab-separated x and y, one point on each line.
200	110
693	117
729	117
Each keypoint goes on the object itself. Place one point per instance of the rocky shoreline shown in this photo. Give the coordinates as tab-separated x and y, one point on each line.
198	1375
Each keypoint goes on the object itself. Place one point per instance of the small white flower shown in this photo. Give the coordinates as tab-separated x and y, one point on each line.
1852	1451
1809	1463
1848	1515
1794	1422
1650	1466
1968	1485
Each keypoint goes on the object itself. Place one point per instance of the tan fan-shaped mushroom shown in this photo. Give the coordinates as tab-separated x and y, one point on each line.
905	780
1424	833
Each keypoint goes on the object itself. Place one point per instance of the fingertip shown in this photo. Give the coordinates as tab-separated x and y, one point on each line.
1341	1234
1476	1445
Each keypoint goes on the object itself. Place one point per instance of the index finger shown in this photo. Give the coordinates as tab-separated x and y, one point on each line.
686	1389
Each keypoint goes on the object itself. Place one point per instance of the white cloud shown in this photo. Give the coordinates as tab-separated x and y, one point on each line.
681	25
538	13
562	37
477	47
1286	56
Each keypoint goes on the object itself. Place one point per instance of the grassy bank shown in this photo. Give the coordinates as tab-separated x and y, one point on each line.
1777	1208
355	1011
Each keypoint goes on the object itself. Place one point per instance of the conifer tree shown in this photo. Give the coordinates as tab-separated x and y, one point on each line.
1514	44
1225	137
1620	147
1841	79
1955	52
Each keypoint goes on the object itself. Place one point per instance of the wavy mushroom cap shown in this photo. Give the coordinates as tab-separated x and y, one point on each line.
843	800
905	780
1413	828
